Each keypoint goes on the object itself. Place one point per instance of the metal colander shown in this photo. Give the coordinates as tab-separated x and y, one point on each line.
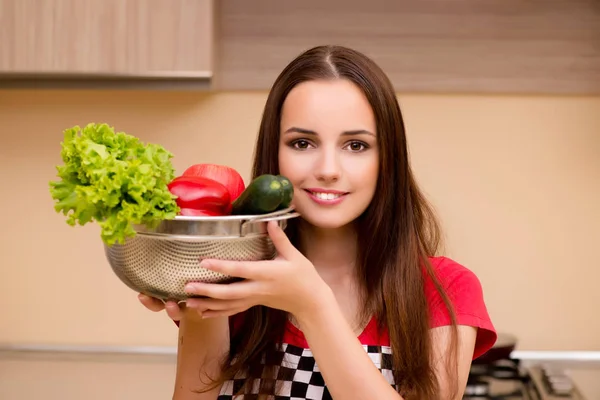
160	261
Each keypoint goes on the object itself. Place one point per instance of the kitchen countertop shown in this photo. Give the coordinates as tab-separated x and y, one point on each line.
585	375
587	380
60	376
26	375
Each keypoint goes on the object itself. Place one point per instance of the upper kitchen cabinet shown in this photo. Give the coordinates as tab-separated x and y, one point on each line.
435	46
161	39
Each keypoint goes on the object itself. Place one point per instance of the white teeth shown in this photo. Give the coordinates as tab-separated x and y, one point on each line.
327	196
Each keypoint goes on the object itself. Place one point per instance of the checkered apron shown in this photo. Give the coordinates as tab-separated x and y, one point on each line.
299	376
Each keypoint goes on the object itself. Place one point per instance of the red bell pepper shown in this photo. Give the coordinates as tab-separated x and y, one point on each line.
225	175
200	196
199	213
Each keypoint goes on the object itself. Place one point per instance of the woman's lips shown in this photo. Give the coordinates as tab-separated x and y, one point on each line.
326	196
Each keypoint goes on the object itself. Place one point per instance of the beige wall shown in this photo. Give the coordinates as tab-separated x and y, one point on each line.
515	179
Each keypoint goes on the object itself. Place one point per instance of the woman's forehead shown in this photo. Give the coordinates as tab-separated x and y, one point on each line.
337	105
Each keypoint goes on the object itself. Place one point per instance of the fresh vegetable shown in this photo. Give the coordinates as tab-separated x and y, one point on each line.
113	179
200	196
199	213
263	195
288	192
226	176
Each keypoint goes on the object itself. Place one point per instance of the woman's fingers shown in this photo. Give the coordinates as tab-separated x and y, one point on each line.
231	291
207	307
205	304
151	303
173	310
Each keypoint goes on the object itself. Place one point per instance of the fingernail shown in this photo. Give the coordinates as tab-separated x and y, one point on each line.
205	264
189	287
191	303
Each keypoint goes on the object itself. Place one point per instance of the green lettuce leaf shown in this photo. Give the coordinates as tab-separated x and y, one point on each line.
114	179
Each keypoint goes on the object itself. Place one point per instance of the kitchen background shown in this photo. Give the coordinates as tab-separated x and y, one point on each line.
502	106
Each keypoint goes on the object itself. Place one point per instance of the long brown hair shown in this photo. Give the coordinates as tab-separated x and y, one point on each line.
396	235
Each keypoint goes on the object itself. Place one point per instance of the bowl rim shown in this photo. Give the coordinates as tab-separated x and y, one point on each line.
196	227
244	217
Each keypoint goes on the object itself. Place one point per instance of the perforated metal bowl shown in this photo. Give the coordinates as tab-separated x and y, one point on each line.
160	261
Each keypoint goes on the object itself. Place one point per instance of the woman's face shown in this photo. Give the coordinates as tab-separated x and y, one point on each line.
328	150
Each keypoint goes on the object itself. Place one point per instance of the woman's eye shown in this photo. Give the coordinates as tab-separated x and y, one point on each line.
301	144
357	146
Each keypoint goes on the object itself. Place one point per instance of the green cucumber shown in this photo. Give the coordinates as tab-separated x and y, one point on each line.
288	192
263	195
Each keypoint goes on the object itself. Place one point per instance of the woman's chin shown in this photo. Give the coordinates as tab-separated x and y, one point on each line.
326	220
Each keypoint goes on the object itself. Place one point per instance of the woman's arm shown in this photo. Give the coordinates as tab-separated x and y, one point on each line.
348	370
441	338
346	367
202	345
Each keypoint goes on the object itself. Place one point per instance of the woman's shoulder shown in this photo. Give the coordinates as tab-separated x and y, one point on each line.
451	275
462	285
465	292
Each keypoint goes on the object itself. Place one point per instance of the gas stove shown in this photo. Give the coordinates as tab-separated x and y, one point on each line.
509	380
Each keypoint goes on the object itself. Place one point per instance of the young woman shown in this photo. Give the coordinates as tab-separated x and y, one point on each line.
357	305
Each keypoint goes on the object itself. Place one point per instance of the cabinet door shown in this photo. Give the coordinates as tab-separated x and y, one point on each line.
130	37
425	46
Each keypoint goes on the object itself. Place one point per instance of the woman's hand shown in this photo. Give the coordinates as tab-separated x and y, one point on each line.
153	304
289	282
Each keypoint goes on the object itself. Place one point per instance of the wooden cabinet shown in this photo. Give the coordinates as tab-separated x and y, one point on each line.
436	46
143	38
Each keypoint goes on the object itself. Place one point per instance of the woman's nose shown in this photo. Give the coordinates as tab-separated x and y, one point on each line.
328	168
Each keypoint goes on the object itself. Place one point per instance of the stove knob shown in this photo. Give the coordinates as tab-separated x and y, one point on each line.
478	389
562	387
558	382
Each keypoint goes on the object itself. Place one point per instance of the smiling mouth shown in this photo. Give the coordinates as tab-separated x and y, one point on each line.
326	196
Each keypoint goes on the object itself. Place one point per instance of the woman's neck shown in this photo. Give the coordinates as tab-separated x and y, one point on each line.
331	251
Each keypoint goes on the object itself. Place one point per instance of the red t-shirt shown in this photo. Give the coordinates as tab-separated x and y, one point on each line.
466	294
301	378
463	289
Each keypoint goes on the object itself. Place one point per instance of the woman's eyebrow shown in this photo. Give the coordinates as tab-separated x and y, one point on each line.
293	129
345	133
357	132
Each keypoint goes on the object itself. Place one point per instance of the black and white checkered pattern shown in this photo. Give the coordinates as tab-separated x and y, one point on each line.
300	378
